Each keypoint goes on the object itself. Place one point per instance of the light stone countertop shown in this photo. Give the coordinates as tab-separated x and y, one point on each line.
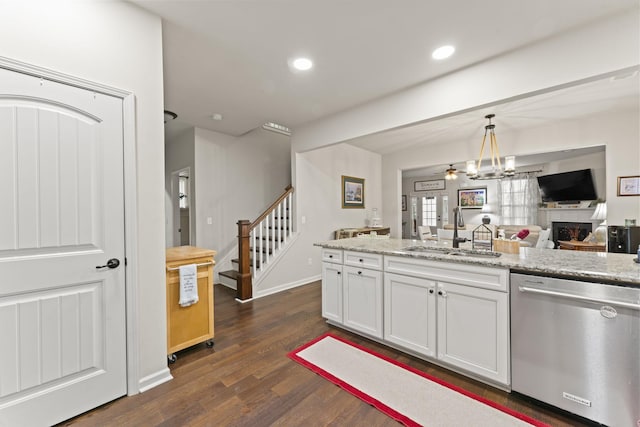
603	266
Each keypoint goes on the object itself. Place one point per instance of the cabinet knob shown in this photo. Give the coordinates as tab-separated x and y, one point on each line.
361	260
430	291
330	256
339	272
359	272
442	293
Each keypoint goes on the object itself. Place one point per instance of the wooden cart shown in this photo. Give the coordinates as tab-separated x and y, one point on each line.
187	326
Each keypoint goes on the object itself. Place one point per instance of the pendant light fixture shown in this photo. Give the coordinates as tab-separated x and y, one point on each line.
496	172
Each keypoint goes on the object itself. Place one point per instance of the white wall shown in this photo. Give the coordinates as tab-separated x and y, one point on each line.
318	200
116	44
236	178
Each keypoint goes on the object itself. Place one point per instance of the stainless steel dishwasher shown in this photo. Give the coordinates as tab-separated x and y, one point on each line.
576	345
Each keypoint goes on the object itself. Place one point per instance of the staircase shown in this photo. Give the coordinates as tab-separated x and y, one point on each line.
260	243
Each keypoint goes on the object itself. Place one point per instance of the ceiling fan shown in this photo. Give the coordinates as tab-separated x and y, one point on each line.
451	173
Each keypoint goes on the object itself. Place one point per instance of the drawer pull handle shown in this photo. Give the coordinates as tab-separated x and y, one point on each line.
330	256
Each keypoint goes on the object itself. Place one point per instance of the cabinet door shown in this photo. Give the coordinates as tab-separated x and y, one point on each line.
410	313
473	330
332	291
362	298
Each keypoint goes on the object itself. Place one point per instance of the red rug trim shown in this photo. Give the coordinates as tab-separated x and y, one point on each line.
381	406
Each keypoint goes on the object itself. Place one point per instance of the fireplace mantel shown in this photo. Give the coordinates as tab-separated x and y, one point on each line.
548	215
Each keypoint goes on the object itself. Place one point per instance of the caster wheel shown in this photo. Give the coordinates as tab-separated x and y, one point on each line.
209	343
172	359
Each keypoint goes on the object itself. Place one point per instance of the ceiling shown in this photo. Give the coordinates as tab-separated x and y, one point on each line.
230	57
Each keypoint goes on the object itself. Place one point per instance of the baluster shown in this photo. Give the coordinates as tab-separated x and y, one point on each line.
279	225
290	225
260	240
266	241
253	255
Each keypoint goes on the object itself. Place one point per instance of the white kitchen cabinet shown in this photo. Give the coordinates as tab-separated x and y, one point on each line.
463	323
332	284
332	291
410	313
473	330
362	300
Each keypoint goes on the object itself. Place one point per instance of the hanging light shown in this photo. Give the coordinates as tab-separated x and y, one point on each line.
450	173
497	172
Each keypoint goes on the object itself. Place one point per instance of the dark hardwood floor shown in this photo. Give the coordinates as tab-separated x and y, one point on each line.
247	380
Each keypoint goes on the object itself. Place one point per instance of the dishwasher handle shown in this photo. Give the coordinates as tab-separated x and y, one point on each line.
630	305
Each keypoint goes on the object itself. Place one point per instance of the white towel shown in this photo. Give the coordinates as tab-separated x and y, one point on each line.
188	285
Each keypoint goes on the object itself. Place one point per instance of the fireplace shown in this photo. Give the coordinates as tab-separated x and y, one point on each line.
570	231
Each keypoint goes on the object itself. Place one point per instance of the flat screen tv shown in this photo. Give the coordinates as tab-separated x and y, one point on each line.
571	186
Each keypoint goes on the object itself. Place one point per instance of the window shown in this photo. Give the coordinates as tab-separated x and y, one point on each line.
519	198
183	191
428	211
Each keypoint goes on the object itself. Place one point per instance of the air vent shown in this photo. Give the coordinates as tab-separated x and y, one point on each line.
274	127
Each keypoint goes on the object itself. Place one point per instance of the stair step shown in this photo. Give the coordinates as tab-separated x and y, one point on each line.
271	239
229	278
236	262
264	251
231	274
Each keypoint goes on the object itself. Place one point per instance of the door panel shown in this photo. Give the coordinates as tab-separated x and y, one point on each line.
63	319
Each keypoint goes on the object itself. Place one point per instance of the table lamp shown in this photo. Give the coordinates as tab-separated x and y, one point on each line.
600	232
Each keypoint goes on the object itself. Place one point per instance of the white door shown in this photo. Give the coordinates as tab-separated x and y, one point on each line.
62	318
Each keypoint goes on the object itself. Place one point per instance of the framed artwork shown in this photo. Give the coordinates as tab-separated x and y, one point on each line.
404	202
629	186
352	192
436	184
472	198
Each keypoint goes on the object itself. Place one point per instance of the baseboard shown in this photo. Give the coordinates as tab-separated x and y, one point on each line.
286	286
155	379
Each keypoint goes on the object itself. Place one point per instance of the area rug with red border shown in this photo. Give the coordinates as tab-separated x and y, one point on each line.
406	394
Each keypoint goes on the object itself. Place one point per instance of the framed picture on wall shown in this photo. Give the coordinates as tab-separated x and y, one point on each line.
472	198
352	192
404	202
435	184
629	186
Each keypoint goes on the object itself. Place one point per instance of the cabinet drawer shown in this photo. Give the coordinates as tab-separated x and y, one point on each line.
464	274
363	259
332	255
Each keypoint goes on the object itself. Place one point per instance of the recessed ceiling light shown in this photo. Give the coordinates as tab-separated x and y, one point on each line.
216	116
302	64
443	52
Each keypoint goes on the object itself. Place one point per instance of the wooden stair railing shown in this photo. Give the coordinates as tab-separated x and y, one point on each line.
258	241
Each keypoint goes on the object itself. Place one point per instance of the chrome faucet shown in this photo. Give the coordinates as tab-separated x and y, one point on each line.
456	240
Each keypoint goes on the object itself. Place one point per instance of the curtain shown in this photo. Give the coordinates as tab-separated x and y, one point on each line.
518	199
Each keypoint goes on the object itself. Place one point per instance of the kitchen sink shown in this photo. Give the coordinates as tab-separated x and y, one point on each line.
475	254
427	249
455	252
